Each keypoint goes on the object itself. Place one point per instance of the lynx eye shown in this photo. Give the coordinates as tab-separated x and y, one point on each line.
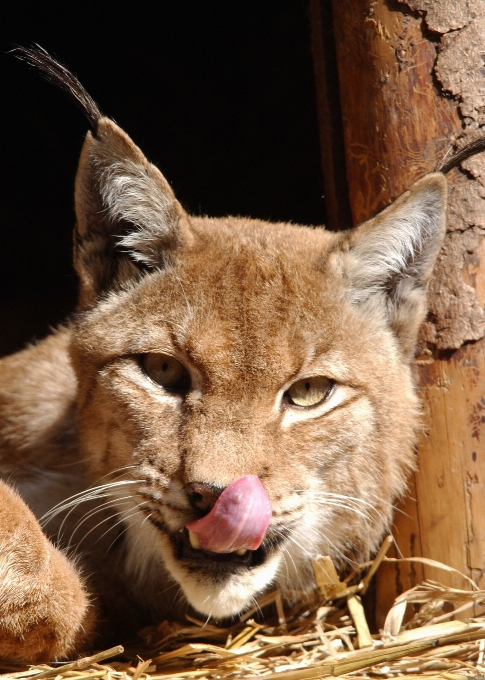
166	372
309	391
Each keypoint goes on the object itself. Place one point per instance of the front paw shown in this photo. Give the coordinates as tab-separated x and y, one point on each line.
44	609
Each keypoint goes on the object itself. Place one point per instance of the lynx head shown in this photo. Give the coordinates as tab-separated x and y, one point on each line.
251	381
255	375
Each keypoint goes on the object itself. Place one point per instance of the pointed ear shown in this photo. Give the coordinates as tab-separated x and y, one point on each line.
128	219
389	259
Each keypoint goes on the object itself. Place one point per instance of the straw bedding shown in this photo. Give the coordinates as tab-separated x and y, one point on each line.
323	638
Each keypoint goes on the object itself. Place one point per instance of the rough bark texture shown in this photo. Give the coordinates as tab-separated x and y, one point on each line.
412	84
460	68
397	127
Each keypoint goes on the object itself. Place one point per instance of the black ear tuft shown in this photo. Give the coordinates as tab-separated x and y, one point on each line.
57	74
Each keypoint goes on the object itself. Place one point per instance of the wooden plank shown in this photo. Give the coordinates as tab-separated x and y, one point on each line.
451	477
329	117
396	127
385	68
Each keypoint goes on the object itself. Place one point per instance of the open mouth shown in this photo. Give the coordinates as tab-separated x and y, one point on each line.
197	559
232	537
188	549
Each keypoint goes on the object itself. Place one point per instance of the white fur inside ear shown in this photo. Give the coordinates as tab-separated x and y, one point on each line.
401	242
131	194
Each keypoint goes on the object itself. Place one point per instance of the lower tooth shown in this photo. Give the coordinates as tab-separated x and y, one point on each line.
194	541
241	551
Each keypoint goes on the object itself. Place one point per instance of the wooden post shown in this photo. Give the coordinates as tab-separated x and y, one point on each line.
398	122
329	117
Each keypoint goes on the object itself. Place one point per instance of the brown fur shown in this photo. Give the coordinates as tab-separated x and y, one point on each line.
248	308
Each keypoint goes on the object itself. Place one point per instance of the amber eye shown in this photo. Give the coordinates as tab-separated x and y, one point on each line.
166	371
309	391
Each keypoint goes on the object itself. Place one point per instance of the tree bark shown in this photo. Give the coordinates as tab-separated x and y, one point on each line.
411	78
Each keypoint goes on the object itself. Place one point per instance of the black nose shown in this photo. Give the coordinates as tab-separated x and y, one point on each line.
203	496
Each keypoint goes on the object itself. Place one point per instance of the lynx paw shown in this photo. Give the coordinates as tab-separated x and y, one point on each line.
44	609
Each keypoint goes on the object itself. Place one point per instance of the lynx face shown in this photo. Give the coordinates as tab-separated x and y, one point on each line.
250	382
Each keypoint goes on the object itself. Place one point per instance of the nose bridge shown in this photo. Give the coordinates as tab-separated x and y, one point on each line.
223	442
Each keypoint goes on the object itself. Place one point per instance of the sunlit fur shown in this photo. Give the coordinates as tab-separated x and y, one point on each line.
102	454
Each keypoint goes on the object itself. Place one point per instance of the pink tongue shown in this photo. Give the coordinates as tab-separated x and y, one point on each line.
239	518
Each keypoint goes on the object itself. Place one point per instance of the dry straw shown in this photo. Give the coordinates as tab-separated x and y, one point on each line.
328	637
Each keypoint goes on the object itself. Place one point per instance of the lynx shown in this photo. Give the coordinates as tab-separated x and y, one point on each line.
231	398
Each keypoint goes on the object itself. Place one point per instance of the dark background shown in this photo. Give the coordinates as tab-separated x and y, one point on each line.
218	93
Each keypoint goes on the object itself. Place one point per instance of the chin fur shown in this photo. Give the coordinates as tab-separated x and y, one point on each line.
229	598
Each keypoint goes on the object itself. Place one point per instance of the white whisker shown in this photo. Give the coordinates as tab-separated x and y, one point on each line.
89	494
98	508
106	519
124	518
